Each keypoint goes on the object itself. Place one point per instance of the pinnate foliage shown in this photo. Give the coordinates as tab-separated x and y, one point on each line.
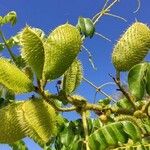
122	124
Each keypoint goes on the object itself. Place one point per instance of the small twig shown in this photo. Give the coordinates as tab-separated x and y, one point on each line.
126	94
7	46
118	75
85	127
99	90
52	103
105	9
96	33
95	97
108	83
116	16
139	5
90	57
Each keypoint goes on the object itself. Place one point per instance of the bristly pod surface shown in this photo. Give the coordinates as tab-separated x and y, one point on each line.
132	47
32	50
72	77
28	71
61	49
86	27
10	129
38	120
13	78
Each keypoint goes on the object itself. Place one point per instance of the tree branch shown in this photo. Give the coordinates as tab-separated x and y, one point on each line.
126	94
85	127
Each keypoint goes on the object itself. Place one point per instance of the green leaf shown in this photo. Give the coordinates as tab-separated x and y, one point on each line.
79	145
136	80
29	73
72	77
2	46
9	94
20	62
11	17
19	145
14	40
134	147
125	104
148	79
32	49
13	78
132	130
70	136
112	134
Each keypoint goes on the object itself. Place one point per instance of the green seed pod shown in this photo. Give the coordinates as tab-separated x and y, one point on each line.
10	129
61	48
13	78
32	49
132	47
38	120
86	27
72	77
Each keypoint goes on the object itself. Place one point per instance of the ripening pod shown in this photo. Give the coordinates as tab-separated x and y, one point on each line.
86	27
61	48
10	129
72	77
32	50
38	120
13	78
132	47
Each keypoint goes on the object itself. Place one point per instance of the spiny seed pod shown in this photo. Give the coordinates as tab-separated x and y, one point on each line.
28	71
61	48
72	77
10	129
13	78
38	120
132	47
32	49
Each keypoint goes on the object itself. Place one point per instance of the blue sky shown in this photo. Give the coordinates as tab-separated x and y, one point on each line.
48	14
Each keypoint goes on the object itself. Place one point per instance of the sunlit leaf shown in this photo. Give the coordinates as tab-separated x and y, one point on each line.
132	130
19	145
112	134
148	79
11	17
136	80
2	46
